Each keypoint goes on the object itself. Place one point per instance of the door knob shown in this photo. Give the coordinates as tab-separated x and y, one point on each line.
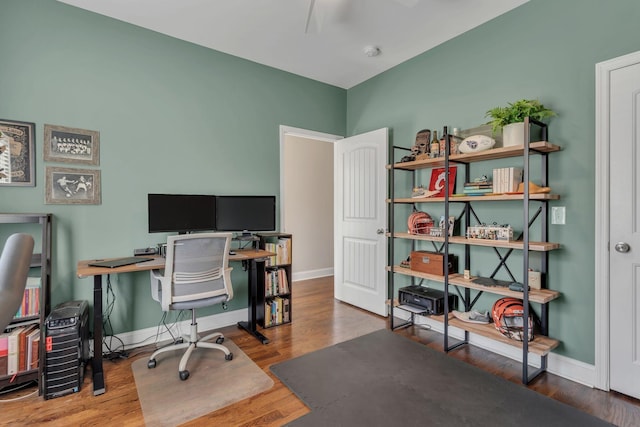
622	247
380	231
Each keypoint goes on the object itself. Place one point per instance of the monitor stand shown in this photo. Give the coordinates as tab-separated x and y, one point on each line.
246	236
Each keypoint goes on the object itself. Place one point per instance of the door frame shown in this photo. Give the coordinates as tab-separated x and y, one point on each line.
285	131
603	182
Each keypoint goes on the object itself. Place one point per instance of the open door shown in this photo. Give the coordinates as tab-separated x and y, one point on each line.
360	251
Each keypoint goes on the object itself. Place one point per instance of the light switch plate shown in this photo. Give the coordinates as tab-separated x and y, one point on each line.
558	215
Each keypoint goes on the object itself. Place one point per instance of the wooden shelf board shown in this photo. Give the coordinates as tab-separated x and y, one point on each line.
540	345
540	296
493	154
494	198
460	240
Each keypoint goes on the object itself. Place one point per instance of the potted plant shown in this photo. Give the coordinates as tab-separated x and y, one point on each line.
511	119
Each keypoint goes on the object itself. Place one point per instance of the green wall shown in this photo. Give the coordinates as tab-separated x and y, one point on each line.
172	117
545	49
175	117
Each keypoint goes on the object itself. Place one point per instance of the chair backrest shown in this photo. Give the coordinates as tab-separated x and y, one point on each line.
197	270
14	269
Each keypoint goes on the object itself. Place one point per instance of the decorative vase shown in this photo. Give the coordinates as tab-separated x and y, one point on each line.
513	134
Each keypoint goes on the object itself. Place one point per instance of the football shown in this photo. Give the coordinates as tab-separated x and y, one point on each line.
475	143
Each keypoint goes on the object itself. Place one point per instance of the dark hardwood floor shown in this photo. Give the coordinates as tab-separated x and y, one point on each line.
318	321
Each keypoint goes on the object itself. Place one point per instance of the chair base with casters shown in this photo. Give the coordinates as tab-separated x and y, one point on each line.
193	342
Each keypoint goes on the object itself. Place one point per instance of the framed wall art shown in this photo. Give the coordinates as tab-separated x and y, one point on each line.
68	186
17	161
71	145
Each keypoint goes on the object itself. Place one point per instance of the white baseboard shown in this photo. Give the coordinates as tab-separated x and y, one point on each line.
147	336
312	274
562	366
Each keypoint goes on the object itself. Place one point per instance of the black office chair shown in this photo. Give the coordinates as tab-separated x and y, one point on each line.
14	269
196	274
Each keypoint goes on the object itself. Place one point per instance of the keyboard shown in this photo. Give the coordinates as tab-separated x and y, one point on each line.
119	262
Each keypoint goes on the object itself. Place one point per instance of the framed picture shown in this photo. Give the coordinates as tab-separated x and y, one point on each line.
71	145
17	161
438	180
68	186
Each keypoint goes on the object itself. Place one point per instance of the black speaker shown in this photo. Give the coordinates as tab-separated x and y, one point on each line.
66	348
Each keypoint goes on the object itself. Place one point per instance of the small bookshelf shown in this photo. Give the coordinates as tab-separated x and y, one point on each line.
274	298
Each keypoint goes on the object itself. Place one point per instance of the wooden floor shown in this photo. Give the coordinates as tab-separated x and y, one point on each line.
319	321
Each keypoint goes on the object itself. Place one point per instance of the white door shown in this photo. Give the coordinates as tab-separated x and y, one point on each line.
624	246
360	220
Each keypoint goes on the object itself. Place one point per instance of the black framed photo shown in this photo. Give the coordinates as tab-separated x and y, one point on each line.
17	160
69	186
71	145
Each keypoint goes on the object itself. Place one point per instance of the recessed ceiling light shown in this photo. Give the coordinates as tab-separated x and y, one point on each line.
371	51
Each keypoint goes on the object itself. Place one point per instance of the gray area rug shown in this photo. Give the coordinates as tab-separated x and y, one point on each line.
213	384
384	379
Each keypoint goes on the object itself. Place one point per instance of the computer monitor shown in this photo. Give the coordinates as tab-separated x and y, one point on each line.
245	213
181	213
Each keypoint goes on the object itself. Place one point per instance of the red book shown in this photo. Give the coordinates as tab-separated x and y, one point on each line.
438	181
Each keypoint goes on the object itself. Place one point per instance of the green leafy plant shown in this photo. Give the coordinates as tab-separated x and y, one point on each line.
516	112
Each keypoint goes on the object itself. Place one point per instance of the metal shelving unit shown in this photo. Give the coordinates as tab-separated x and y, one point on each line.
41	260
542	344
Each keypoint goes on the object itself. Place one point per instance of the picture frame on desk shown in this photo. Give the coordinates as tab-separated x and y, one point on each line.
17	160
71	145
69	186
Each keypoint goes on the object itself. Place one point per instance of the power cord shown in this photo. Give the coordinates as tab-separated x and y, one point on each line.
108	337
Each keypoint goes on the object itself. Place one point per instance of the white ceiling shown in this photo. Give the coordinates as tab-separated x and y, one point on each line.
330	50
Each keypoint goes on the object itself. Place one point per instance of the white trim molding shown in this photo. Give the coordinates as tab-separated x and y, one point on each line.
565	367
602	170
144	337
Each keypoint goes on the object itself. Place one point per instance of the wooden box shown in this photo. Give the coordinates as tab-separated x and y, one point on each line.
432	262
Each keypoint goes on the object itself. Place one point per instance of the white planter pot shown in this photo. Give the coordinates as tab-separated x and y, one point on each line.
513	134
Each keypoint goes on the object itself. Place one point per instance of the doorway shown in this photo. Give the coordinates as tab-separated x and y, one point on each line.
306	199
617	356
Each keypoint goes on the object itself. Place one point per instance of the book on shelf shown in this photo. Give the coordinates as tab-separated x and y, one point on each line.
13	349
286	308
32	349
282	250
30	305
506	180
4	353
23	349
276	282
35	352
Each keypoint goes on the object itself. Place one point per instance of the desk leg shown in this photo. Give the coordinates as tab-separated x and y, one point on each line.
250	325
96	361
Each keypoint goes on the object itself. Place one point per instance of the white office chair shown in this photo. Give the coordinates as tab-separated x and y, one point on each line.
196	274
14	269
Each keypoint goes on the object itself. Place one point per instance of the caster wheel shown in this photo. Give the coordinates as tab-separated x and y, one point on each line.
151	364
184	375
219	340
228	356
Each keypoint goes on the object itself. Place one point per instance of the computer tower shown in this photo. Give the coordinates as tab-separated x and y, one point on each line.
66	348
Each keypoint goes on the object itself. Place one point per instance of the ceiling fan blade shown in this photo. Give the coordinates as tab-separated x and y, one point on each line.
325	11
312	3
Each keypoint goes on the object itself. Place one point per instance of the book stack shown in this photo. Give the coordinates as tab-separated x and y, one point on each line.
19	350
276	311
477	188
282	250
506	180
276	282
31	301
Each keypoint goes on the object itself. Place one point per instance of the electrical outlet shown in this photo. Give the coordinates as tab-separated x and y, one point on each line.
557	215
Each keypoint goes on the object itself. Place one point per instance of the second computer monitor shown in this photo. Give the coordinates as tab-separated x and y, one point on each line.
245	213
